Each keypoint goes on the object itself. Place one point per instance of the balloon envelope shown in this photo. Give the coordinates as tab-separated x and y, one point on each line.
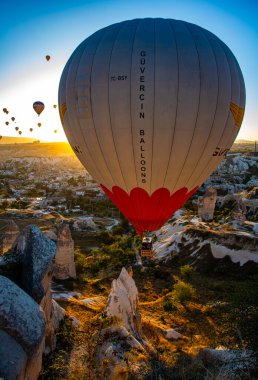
38	107
47	57
150	107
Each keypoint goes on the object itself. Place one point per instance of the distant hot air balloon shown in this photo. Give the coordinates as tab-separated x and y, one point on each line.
13	118
55	131
150	107
47	57
16	128
54	105
20	132
39	124
38	107
5	110
31	129
7	123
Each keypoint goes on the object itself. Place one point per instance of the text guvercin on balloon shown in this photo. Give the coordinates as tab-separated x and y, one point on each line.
142	114
142	86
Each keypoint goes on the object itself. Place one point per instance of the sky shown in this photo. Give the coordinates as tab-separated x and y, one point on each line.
30	30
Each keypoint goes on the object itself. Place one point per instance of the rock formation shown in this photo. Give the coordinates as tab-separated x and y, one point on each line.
200	245
64	260
125	334
30	266
206	204
230	362
123	304
10	234
84	224
51	234
22	334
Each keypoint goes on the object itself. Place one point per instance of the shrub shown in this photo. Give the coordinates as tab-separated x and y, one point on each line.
105	237
186	270
168	305
183	292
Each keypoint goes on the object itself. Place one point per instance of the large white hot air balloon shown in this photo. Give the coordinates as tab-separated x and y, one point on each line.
150	107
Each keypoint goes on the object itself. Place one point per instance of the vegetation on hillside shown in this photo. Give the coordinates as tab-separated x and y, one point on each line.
210	310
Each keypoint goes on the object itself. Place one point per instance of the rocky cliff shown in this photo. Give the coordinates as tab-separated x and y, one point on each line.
28	317
198	244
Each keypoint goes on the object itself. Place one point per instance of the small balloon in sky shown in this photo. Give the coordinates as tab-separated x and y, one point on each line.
20	132
7	123
31	129
13	118
5	110
39	124
17	128
55	131
38	107
47	57
54	105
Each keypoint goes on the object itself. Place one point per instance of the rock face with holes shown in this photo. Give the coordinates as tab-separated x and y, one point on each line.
10	234
64	260
28	317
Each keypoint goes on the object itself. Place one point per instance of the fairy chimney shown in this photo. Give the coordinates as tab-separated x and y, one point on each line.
64	261
206	204
10	234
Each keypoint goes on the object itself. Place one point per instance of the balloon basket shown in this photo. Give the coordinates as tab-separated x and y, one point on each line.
149	253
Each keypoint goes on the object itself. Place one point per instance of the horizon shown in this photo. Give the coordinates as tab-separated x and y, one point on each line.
30	140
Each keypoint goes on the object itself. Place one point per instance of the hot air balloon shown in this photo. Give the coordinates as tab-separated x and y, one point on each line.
20	132
38	107
7	123
47	57
17	128
5	110
54	105
151	107
31	129
55	131
13	118
39	124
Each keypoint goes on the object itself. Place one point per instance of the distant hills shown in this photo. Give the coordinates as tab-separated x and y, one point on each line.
11	147
31	149
16	140
244	142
